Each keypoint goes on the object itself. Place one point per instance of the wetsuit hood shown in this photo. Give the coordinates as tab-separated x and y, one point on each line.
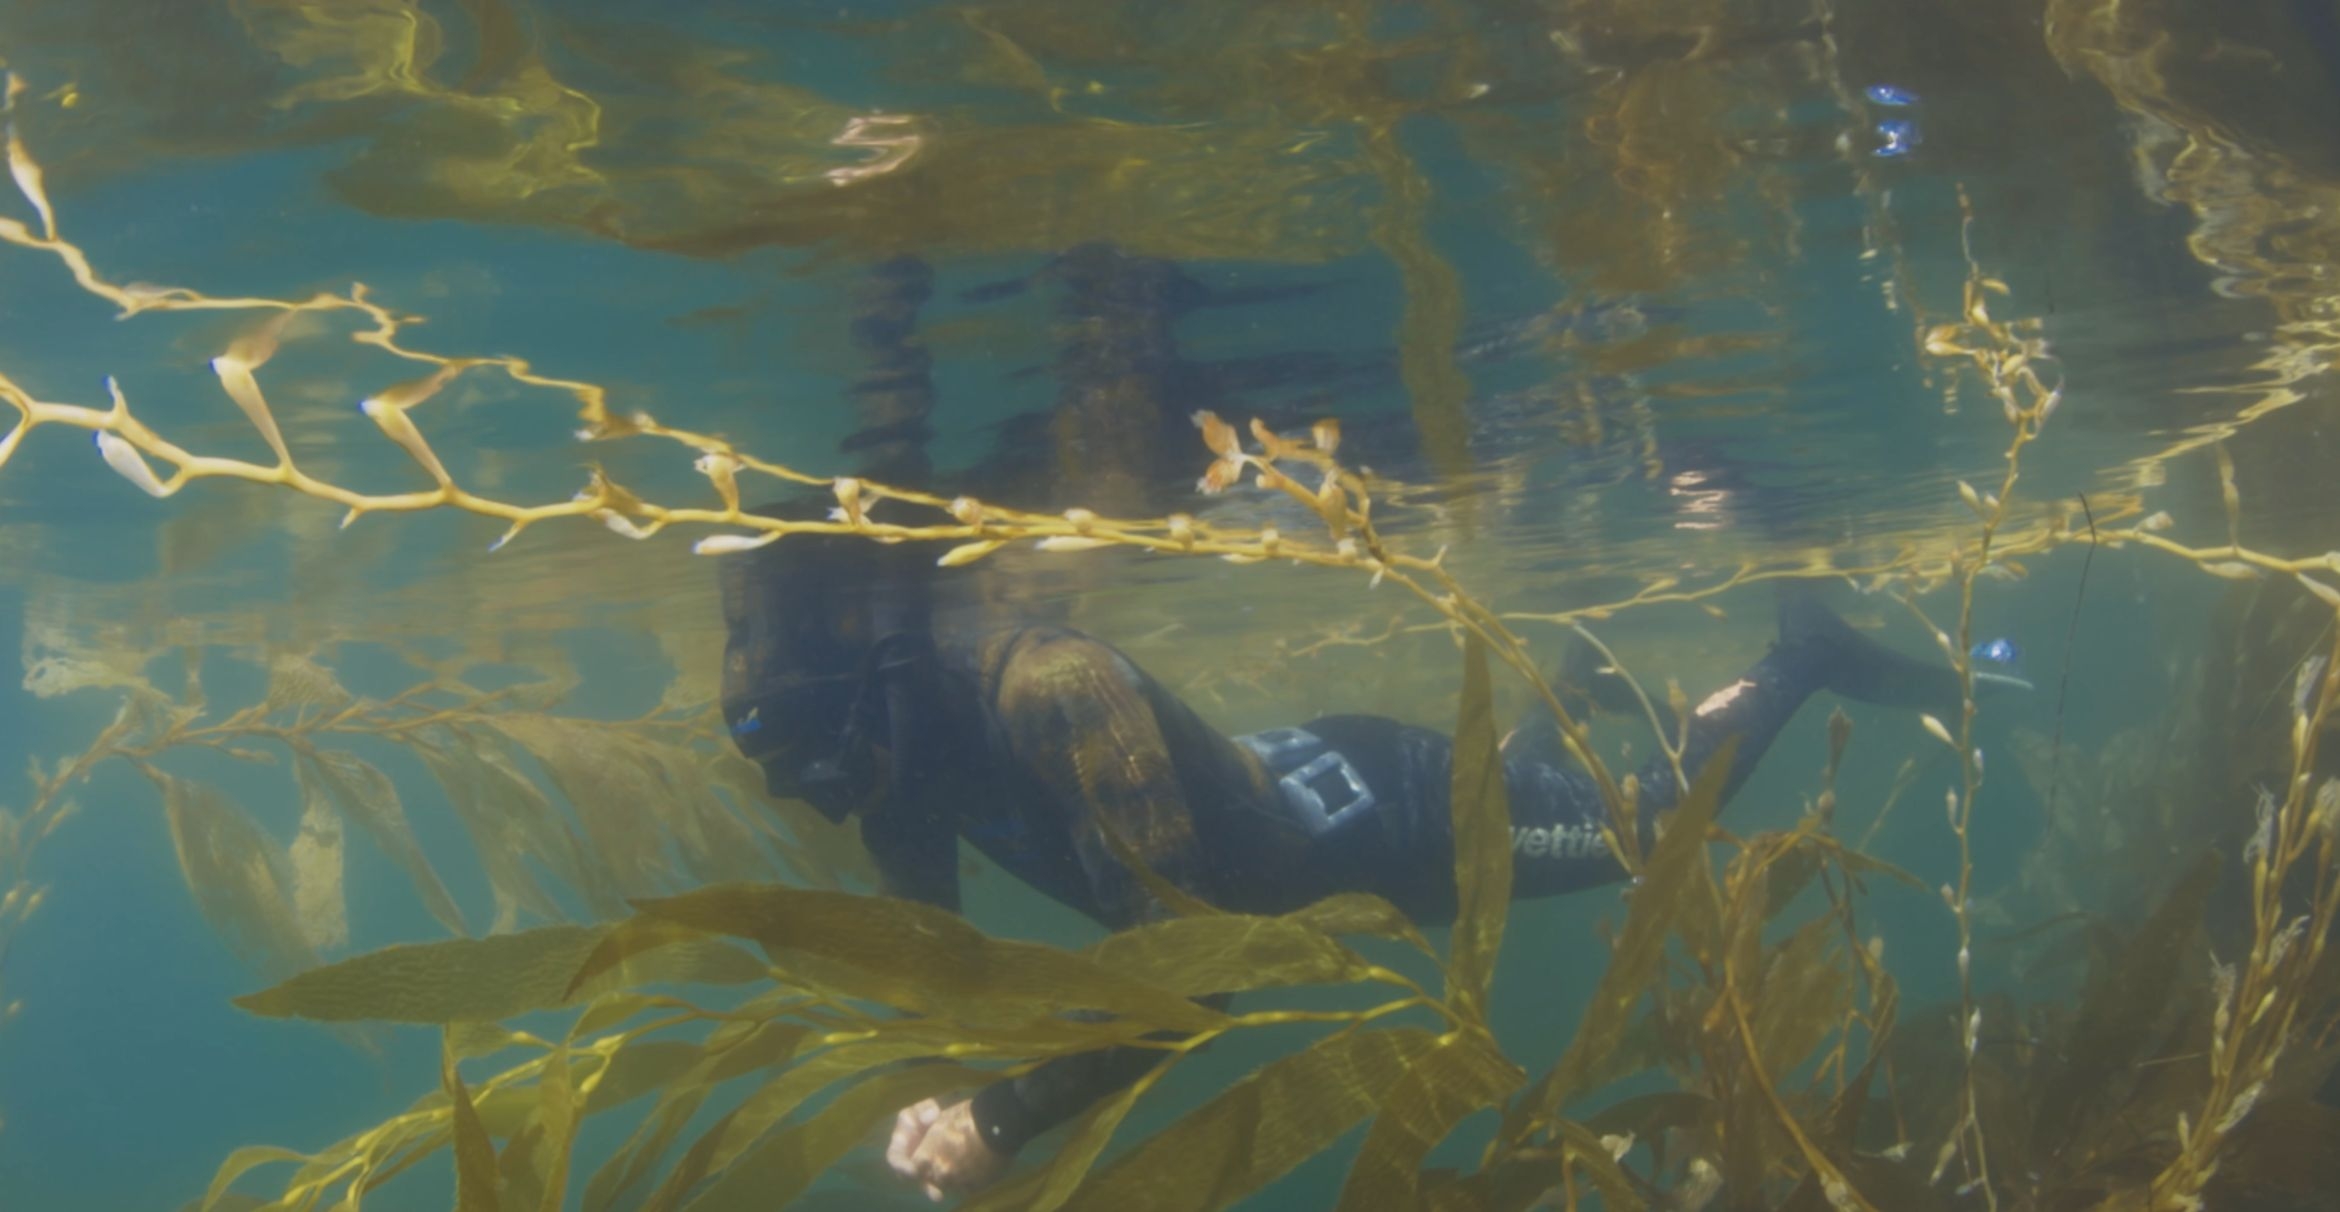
817	628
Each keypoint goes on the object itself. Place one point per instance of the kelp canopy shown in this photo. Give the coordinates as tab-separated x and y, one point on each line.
657	987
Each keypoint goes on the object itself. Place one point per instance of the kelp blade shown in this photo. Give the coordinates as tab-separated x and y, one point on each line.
512	822
366	796
1667	880
739	1135
485	980
1350	913
1228	953
1528	1181
1462	1072
821	1060
1046	1188
917	957
233	870
1283	1114
2122	1004
1192	956
634	1161
1482	840
557	1112
477	1182
237	1165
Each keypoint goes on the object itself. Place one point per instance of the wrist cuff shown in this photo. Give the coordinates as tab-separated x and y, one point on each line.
1001	1117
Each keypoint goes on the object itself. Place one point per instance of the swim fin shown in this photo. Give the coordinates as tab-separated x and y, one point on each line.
1865	671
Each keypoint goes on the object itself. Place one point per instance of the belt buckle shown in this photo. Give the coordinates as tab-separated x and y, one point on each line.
1321	790
1327	792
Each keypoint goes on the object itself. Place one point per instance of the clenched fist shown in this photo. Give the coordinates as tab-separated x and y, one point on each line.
941	1150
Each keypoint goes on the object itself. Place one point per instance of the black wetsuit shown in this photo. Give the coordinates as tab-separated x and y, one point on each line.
1023	741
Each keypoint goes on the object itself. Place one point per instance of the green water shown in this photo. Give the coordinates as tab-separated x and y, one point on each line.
1603	292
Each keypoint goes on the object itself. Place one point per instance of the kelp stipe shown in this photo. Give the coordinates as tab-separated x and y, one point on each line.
2006	356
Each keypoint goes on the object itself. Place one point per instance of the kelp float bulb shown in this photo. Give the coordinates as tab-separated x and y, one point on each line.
620	523
388	408
235	378
2326	819
733	544
394	423
722	470
124	458
849	507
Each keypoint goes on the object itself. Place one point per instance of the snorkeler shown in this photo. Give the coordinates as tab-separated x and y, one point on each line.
1029	741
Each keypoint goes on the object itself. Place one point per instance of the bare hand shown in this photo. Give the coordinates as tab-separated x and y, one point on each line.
941	1150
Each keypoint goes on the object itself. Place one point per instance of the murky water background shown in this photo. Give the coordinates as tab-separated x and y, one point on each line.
1605	292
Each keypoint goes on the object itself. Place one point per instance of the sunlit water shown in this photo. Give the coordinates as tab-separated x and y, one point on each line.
1693	260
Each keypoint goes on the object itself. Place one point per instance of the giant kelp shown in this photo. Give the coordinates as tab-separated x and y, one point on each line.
840	959
1749	986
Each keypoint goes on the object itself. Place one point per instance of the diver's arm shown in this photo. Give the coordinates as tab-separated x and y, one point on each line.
1010	1113
1078	717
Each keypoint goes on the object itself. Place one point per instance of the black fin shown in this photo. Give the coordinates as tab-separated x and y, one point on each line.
1865	671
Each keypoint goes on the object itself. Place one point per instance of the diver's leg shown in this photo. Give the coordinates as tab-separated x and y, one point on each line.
1753	708
1556	810
1560	826
1816	650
